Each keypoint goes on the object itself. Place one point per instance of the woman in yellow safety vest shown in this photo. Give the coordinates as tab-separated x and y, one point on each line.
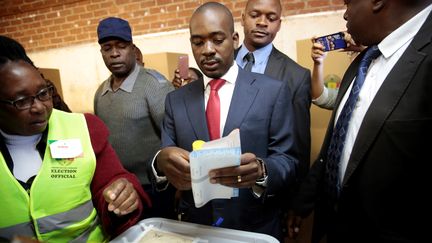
60	179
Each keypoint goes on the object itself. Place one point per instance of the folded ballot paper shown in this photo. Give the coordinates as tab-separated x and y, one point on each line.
223	152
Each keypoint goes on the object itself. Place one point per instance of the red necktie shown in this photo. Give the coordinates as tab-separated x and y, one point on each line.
213	109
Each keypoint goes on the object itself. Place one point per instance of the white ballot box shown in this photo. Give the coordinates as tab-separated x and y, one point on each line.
157	230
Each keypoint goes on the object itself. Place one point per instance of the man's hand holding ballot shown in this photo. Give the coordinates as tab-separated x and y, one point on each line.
244	175
213	169
173	162
217	167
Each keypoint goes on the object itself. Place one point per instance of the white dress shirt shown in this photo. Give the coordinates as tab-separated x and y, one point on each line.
392	48
225	93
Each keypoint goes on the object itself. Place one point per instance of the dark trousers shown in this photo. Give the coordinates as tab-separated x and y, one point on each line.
163	203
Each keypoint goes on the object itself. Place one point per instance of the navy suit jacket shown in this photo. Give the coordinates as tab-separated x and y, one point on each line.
261	109
281	67
387	179
298	78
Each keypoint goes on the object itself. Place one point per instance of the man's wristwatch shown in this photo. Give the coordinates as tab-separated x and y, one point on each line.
262	180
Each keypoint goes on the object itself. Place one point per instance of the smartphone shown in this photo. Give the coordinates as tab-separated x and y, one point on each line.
183	66
333	41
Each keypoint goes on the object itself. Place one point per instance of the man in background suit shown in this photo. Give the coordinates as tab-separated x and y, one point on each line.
384	169
261	22
256	104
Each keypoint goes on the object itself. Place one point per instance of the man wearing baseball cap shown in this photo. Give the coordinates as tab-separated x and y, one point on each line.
130	102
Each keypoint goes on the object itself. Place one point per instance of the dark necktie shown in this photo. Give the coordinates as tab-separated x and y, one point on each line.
213	109
340	130
250	60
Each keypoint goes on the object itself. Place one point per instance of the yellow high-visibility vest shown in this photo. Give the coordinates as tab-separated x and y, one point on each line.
58	206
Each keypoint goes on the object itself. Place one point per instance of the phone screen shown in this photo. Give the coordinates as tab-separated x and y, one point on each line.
332	42
183	66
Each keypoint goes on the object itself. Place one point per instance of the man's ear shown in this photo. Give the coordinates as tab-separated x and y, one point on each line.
378	5
236	39
280	24
243	19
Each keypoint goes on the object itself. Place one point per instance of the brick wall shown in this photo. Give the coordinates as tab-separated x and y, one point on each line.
46	24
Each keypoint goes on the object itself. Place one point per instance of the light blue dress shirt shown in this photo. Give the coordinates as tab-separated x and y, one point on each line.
261	58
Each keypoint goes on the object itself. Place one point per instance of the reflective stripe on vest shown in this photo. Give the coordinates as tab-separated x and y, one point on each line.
65	219
24	229
60	203
84	237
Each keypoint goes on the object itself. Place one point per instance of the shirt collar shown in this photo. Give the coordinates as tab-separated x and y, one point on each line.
405	33
261	55
230	76
127	84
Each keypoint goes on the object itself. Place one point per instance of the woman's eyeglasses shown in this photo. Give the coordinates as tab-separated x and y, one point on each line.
26	102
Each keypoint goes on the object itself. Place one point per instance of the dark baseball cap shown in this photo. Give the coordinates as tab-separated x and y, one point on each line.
115	28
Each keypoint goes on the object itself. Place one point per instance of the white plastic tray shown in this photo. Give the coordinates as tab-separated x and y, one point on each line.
201	233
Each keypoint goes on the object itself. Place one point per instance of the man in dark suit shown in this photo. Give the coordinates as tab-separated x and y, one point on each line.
256	104
383	174
261	20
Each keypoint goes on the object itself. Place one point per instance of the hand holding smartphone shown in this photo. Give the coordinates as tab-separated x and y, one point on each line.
183	66
332	42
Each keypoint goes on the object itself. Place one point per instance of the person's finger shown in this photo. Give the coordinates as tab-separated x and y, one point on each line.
124	195
173	158
132	208
247	158
116	192
319	53
313	39
318	46
176	84
126	199
174	163
114	189
179	180
239	181
244	175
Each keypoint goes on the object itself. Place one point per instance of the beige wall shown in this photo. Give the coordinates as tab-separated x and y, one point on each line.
336	63
82	68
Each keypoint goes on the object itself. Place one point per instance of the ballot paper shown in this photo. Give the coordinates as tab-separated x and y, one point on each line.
223	152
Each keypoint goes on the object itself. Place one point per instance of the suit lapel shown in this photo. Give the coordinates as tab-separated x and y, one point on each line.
194	102
275	64
242	99
391	91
